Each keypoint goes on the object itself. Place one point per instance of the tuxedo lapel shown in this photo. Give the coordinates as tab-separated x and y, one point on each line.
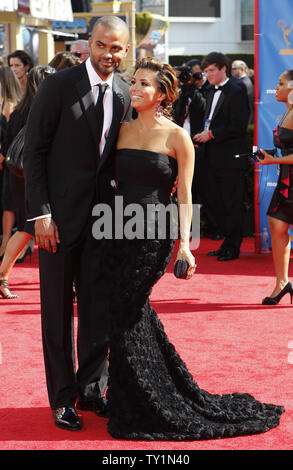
221	100
226	89
209	98
86	100
218	105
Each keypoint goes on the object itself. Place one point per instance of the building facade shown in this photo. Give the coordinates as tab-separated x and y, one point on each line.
27	24
197	27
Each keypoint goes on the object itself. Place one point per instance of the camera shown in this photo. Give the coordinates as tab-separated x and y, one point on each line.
256	153
197	75
185	73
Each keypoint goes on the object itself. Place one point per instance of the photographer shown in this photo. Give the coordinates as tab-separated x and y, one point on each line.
188	110
200	80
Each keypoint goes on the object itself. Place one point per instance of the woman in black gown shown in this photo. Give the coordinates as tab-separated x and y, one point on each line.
151	394
280	211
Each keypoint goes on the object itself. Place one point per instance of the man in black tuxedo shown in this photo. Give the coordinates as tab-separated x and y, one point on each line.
224	135
71	133
240	70
200	81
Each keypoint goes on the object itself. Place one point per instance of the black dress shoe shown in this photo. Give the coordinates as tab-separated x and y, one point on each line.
67	418
99	406
227	256
215	253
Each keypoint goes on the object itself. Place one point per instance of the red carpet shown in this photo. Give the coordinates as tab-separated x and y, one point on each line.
229	341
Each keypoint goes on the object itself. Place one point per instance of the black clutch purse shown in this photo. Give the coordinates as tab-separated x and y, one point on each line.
180	268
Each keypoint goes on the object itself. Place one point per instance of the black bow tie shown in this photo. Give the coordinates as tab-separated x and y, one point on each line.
218	88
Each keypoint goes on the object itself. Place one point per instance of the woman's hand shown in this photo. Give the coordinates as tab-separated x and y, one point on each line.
268	159
185	253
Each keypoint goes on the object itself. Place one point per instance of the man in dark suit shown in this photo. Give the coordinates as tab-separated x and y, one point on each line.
71	134
240	70
200	81
224	135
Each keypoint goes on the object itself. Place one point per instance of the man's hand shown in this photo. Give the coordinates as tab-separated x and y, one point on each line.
46	234
202	137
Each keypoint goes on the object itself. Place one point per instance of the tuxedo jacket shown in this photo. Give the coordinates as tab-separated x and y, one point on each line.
204	89
194	99
228	126
250	93
64	173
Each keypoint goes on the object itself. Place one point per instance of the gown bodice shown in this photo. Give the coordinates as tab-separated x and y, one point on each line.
144	176
283	139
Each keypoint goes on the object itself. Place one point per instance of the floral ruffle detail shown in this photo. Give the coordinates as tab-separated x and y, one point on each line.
151	393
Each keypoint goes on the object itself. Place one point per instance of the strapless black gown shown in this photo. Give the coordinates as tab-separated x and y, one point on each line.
151	394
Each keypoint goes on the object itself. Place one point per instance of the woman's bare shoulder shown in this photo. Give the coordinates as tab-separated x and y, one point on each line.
177	132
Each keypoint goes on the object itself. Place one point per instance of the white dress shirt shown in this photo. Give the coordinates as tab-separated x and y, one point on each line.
217	95
95	79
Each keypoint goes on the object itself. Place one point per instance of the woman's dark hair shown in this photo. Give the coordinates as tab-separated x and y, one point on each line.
34	79
166	80
23	56
64	60
289	74
9	85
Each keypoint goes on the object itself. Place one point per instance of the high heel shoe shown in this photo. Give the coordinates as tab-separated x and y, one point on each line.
9	295
288	289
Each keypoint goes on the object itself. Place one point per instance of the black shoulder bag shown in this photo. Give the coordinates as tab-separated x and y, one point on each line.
14	155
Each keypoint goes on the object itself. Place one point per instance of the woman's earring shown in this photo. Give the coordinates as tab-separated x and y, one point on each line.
159	110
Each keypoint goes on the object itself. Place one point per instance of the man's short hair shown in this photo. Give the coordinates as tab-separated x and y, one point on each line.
112	22
217	58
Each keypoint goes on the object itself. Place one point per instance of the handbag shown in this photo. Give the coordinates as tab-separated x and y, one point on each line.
14	155
180	268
